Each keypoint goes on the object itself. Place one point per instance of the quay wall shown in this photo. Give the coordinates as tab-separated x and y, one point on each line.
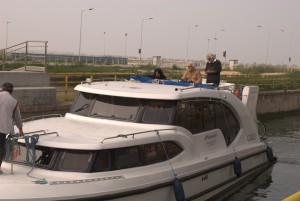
31	89
278	101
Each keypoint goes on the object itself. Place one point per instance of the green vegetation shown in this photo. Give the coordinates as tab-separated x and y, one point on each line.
266	77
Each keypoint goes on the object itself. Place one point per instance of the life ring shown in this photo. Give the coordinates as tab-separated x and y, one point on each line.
237	167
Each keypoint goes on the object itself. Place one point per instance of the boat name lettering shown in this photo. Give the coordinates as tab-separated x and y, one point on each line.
80	181
210	136
211	139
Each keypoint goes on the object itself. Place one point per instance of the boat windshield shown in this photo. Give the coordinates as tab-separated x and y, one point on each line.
124	108
116	107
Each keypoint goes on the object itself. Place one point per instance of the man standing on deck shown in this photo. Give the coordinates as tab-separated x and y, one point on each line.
192	75
9	113
213	69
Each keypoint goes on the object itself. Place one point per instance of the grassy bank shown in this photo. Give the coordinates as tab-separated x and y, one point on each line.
266	77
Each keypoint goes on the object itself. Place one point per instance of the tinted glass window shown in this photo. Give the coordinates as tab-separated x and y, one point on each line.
126	158
227	122
103	161
158	112
129	157
82	104
204	115
75	161
116	107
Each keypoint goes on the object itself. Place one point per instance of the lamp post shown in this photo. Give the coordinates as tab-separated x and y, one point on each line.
268	36
141	44
6	34
126	44
208	45
215	39
290	40
104	43
187	44
80	30
188	41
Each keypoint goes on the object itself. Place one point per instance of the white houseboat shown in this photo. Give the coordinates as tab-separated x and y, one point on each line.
131	140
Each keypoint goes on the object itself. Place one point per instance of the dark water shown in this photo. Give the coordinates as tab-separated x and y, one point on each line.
284	177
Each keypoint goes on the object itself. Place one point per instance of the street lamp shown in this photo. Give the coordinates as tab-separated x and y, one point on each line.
104	43
188	41
126	44
268	36
80	31
215	39
208	45
140	50
290	36
6	34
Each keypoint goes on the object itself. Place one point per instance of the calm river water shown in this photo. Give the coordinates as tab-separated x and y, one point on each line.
284	178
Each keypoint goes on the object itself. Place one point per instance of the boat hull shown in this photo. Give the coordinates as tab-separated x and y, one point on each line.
204	184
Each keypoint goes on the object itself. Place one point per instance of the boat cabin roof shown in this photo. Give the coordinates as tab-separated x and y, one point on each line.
161	90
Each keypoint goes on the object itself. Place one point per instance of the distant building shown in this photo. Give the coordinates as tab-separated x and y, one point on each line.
157	61
232	63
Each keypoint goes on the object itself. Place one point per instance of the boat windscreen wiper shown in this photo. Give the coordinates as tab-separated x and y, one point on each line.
85	106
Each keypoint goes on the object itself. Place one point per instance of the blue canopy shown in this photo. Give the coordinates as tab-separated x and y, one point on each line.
170	82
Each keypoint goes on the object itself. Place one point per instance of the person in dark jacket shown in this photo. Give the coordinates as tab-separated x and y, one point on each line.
213	69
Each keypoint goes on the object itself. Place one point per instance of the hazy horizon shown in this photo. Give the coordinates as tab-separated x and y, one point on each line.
180	28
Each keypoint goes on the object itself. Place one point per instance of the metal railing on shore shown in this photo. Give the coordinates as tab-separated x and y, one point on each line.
23	52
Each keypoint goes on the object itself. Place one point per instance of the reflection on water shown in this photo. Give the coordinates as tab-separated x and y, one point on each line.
284	132
248	191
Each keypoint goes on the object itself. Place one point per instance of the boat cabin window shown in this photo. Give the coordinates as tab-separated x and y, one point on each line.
75	161
158	112
128	157
201	115
125	109
116	107
99	160
82	104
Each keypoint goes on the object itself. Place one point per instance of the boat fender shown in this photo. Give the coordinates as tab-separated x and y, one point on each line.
237	167
178	190
270	154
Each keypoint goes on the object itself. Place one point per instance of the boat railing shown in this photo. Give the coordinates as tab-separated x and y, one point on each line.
137	133
40	132
41	117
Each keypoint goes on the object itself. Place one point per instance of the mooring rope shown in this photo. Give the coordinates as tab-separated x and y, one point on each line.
30	142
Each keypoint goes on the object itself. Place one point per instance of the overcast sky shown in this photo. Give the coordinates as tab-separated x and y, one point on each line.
233	22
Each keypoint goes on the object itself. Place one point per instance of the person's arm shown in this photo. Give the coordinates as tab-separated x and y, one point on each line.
18	120
197	78
217	67
184	77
